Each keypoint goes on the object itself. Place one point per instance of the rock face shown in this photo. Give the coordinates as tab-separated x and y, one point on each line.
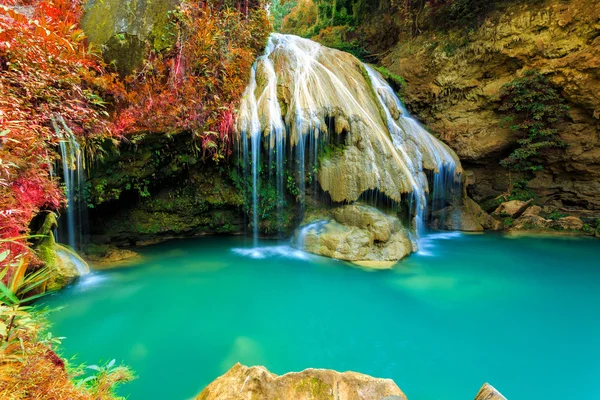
157	189
356	233
453	82
249	383
488	392
126	30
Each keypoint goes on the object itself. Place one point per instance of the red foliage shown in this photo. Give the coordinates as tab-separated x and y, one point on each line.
46	72
195	86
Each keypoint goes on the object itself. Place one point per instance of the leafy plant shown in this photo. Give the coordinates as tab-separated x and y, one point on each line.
195	85
536	106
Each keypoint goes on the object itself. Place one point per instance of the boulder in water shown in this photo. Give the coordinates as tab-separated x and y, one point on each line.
357	233
531	222
246	383
488	392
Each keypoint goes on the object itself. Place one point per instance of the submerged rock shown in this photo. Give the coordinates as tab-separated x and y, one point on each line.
357	233
488	392
248	383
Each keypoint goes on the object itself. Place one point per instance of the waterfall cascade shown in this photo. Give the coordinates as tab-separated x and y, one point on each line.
302	100
72	231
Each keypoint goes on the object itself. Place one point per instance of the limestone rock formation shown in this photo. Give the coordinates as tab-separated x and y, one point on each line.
569	223
468	217
248	383
454	79
302	92
488	392
511	209
531	222
357	233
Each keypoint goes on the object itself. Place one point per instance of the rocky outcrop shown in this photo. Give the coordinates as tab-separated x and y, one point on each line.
511	209
126	30
454	79
357	233
157	189
468	217
311	92
488	392
248	383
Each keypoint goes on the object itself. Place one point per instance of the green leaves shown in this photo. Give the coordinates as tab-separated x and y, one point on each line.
536	105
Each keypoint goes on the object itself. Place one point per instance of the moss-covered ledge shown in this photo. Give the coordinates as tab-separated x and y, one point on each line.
157	187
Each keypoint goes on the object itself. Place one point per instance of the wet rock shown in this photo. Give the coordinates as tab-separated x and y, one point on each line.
488	392
511	209
332	91
247	383
358	233
114	255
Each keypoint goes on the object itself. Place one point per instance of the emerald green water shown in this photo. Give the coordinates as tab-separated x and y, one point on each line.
521	314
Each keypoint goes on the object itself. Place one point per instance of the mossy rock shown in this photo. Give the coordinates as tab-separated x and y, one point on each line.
126	30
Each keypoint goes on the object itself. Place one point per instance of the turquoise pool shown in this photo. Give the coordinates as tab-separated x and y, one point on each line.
521	314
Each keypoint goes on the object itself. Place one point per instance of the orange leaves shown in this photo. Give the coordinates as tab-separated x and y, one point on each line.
196	86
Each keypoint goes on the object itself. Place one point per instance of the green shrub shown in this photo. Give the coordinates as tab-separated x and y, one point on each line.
537	107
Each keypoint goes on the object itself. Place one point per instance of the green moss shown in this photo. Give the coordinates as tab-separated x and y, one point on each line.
318	389
126	30
395	80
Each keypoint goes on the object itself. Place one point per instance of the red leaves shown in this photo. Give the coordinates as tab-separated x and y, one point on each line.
196	85
45	72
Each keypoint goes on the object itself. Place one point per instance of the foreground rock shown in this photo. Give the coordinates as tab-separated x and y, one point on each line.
357	233
246	383
488	392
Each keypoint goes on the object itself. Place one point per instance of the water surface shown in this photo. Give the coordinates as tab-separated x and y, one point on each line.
521	314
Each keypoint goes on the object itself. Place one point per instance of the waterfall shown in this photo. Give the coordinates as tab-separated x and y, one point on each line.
408	134
300	97
73	173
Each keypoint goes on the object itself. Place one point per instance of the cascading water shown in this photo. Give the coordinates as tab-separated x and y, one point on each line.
73	173
407	133
299	96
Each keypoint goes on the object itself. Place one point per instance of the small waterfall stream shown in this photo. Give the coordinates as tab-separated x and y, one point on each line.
73	225
299	96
